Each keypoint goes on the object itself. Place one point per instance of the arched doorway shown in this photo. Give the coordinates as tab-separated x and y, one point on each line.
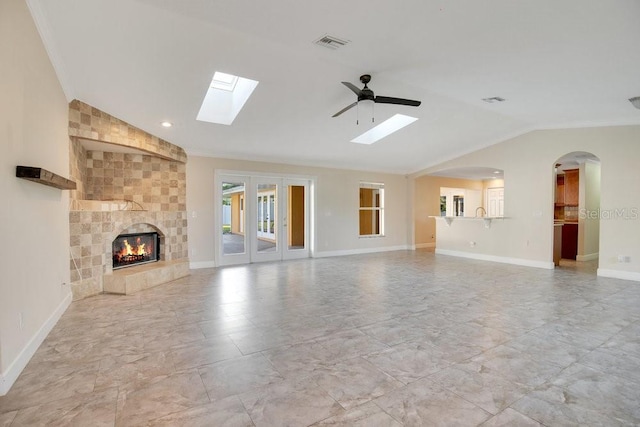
576	179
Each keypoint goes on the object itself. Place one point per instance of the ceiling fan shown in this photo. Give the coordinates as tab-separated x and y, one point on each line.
366	94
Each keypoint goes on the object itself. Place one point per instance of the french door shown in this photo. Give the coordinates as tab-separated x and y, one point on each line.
262	219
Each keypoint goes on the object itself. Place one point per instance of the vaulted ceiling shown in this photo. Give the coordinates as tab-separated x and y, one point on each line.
563	63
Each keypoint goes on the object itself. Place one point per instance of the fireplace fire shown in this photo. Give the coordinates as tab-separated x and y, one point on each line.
135	249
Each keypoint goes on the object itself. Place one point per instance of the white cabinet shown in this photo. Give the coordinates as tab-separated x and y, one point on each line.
495	202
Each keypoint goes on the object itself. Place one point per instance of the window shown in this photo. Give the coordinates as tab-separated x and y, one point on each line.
371	209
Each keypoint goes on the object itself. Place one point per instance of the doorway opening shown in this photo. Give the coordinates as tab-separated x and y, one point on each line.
576	219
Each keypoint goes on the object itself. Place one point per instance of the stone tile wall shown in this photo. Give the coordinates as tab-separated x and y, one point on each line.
120	193
77	168
153	183
88	122
93	232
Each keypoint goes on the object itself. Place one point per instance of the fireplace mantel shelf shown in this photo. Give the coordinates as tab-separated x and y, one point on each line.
44	177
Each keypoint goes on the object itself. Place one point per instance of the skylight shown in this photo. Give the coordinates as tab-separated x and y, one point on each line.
225	97
384	129
224	81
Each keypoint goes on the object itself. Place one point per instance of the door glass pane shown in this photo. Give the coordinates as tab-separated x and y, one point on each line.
233	239
267	218
295	214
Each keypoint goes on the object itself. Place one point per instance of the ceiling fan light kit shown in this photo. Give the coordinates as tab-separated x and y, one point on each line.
366	94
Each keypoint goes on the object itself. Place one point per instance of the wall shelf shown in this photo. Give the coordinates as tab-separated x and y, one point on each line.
486	219
43	176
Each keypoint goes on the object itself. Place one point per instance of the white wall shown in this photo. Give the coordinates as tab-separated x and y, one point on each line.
336	201
527	162
34	256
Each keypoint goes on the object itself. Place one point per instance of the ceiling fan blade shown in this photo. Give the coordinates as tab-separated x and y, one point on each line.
353	87
399	101
345	109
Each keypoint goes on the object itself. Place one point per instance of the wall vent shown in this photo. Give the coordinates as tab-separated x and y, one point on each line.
331	42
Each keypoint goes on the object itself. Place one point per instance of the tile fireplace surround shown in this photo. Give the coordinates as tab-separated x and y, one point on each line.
128	181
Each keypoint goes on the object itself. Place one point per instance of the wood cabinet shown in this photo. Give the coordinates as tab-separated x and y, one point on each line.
571	187
569	241
560	190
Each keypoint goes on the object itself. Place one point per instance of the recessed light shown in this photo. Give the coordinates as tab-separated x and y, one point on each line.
166	124
496	172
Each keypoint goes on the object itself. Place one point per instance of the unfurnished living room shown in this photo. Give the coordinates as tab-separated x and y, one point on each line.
341	213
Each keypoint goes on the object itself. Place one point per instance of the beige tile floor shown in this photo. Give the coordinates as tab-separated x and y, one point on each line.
400	338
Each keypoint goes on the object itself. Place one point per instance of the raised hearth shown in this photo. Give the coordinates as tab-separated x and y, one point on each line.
127	281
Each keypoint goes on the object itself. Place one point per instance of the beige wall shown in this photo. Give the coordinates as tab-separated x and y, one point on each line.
528	162
336	202
427	203
589	227
34	258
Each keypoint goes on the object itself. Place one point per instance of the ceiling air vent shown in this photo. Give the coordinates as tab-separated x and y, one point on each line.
494	99
331	42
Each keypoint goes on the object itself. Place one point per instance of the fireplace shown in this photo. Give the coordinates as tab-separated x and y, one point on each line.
135	249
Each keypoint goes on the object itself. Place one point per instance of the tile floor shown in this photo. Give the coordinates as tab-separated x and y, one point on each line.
400	338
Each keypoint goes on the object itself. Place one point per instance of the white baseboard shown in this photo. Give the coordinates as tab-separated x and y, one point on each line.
10	376
360	251
202	264
425	245
587	257
619	274
493	258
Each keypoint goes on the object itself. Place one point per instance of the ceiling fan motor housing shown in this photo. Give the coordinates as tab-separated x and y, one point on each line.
366	95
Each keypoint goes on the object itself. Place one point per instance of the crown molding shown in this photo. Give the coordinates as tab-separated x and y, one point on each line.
38	16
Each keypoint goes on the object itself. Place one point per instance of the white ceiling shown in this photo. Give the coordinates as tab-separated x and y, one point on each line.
558	64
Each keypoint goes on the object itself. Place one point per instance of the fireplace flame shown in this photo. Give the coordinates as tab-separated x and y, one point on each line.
131	253
131	250
134	249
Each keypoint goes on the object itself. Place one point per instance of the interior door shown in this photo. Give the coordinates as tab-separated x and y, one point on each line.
233	244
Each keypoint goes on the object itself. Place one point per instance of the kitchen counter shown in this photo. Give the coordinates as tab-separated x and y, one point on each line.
486	219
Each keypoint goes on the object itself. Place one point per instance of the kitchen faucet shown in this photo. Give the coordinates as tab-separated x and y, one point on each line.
484	212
